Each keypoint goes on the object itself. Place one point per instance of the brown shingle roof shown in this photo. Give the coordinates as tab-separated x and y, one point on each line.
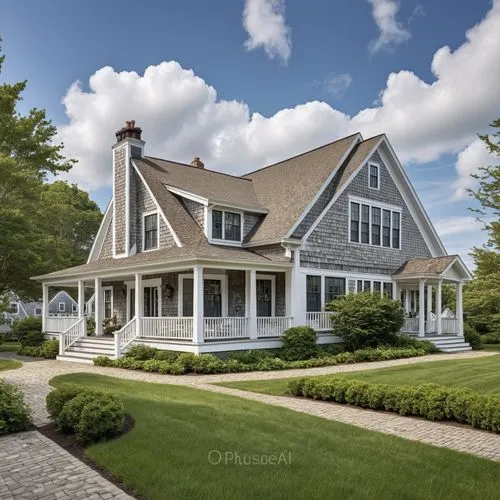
435	265
287	187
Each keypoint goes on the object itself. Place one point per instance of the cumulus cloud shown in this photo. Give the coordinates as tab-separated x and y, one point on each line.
182	117
264	21
337	84
391	31
474	156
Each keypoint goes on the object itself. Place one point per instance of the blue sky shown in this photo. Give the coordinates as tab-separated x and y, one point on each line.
306	68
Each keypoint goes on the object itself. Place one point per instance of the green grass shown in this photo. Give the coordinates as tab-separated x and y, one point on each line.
9	364
481	375
10	347
490	347
166	454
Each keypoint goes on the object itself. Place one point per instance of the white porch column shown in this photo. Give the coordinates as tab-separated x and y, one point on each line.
81	299
429	309
421	308
459	310
139	304
396	292
439	307
251	277
98	306
198	305
407	292
299	292
45	305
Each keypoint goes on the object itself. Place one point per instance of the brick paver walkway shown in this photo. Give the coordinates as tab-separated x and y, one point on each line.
33	379
33	466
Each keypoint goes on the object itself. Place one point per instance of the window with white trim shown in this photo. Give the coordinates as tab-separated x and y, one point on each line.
74	308
226	225
150	241
374	225
14	307
38	311
108	302
62	307
375	286
373	176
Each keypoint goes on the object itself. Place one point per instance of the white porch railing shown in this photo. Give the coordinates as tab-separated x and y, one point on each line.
319	321
410	325
124	337
71	335
59	324
272	326
167	327
225	328
449	325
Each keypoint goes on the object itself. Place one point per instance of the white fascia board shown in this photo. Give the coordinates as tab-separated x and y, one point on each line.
463	268
160	211
101	234
356	140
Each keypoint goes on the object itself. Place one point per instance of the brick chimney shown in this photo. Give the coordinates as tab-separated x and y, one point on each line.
129	145
197	162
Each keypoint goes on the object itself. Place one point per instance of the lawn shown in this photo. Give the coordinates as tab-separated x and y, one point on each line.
481	374
9	364
491	347
166	454
10	347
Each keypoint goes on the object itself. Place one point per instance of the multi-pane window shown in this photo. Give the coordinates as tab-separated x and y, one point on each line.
333	288
108	307
388	290
14	307
151	301
62	307
226	225
365	224
374	176
376	215
232	226
359	286
355	222
376	286
217	224
313	293
396	222
372	225
212	298
386	228
366	286
150	231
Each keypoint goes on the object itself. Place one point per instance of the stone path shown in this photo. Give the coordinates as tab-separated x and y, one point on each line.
33	378
33	466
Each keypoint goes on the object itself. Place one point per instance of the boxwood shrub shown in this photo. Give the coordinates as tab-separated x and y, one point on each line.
430	401
48	350
15	414
208	363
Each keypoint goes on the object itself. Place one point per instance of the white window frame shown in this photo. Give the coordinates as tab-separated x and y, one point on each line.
272	279
145	283
382	206
223	240
74	308
377	165
104	290
224	291
15	307
63	308
37	311
144	215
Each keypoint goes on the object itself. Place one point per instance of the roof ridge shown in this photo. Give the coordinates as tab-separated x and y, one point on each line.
303	153
192	166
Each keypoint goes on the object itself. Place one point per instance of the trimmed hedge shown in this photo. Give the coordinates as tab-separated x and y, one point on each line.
430	401
91	415
299	342
208	363
48	350
15	414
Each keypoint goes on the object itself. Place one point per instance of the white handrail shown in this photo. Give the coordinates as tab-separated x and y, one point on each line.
319	321
168	327
71	335
225	328
59	324
272	326
124	337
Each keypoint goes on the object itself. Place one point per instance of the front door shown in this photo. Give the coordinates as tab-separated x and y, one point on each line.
264	298
151	302
212	298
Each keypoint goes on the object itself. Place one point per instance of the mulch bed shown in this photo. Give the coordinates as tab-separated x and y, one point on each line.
71	445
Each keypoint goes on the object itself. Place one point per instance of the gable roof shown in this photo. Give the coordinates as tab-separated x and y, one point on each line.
288	187
436	267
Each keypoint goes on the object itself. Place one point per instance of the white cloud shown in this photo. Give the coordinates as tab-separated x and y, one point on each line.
474	156
182	117
458	225
337	84
264	21
392	32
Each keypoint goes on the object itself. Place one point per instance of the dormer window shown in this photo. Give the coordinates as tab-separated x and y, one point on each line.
150	232
226	225
374	176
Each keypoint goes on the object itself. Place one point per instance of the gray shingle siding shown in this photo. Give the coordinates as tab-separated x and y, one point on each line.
68	301
328	246
249	221
197	211
107	246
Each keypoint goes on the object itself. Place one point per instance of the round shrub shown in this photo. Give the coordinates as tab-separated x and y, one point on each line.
299	342
68	418
49	349
26	330
366	319
169	356
101	418
187	360
103	361
15	414
471	336
141	352
57	398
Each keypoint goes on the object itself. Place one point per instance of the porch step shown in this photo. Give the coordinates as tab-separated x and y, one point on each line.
449	343
85	349
98	351
463	348
74	359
